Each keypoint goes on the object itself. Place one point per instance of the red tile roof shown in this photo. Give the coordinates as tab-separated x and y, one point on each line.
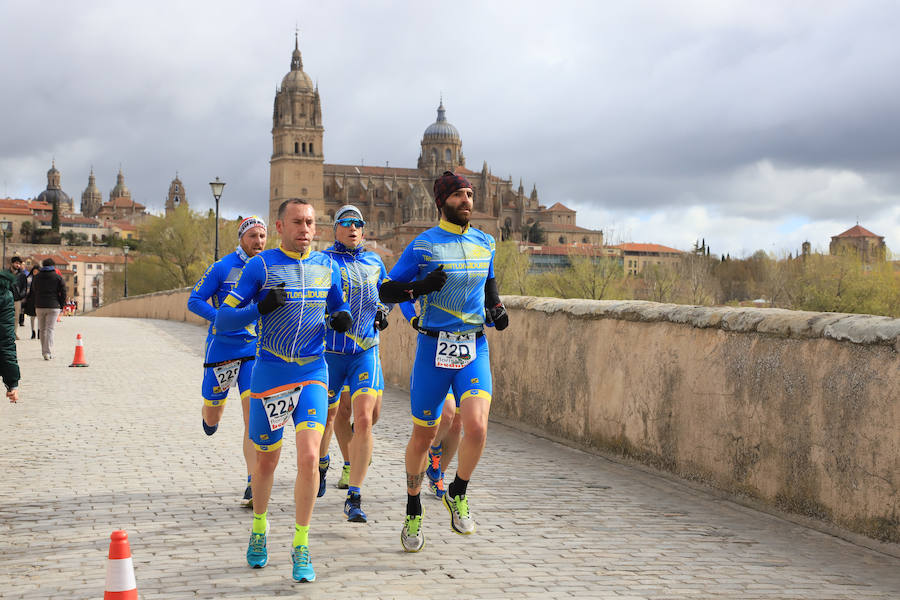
856	231
647	248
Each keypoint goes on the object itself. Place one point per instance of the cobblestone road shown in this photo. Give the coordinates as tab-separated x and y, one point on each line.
119	445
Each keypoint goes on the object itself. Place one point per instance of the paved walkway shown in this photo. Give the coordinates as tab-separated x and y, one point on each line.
119	445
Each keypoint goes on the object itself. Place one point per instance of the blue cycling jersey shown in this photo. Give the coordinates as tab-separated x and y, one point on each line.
467	255
294	332
218	280
361	275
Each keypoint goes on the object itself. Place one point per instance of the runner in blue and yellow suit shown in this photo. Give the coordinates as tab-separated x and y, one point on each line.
289	289
229	353
451	269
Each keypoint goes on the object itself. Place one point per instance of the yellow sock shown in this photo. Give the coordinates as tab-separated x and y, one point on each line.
259	522
301	535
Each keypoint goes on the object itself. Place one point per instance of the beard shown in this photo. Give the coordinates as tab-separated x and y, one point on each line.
453	215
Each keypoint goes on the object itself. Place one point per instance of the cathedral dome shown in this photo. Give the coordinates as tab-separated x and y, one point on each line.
296	79
57	197
121	190
441	129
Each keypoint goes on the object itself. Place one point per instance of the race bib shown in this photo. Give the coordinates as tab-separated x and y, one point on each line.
226	374
454	351
280	407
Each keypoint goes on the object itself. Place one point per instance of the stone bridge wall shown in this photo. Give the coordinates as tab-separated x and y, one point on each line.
799	410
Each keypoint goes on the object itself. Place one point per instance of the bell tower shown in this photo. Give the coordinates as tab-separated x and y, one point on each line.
296	167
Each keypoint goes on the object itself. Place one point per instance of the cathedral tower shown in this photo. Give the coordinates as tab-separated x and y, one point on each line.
91	197
176	196
441	146
296	168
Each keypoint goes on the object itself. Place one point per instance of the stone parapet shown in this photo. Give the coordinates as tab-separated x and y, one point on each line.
798	410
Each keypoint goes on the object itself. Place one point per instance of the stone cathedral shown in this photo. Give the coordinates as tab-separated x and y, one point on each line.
397	202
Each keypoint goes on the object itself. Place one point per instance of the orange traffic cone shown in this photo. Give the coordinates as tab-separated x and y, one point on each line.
79	361
120	582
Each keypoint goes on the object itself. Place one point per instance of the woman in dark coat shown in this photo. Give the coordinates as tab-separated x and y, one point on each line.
28	305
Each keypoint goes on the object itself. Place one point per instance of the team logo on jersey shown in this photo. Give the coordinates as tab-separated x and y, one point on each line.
264	436
332	393
427	413
363	376
311	412
473	380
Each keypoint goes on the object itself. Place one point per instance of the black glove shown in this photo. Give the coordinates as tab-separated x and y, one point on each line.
274	299
381	321
341	321
498	316
432	282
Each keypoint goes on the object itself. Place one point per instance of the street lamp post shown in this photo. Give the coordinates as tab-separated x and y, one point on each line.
217	187
5	228
125	250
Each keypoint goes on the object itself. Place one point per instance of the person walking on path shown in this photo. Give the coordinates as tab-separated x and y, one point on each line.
229	353
18	289
28	304
9	365
49	298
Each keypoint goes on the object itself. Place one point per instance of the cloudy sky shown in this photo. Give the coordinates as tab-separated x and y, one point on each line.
754	125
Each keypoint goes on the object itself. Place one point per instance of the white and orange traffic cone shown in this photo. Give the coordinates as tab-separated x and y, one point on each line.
120	582
79	361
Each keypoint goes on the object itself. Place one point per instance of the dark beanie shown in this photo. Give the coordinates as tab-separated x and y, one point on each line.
446	184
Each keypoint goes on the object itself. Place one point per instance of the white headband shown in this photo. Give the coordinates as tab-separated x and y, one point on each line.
250	223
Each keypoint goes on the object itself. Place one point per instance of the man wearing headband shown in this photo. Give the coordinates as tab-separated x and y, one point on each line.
352	357
450	268
293	291
228	353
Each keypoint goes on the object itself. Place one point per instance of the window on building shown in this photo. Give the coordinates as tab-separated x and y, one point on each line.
99	267
90	266
296	148
176	187
304	147
562	239
447	155
311	148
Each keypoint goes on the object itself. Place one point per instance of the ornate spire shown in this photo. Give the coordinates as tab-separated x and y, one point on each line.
442	116
296	60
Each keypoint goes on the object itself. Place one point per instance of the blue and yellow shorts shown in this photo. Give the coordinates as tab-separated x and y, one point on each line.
219	375
274	377
358	373
429	383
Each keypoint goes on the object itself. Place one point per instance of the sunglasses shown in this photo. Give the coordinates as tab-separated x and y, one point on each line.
358	223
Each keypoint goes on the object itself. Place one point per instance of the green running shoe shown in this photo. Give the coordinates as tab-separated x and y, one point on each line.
303	569
344	482
411	536
257	555
460	520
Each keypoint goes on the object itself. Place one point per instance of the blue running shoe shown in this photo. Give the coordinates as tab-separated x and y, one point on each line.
303	569
435	476
353	510
257	555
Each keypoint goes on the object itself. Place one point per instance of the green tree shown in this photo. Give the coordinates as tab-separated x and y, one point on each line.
175	250
511	267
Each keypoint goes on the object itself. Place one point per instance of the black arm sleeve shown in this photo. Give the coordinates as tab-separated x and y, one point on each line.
395	291
491	295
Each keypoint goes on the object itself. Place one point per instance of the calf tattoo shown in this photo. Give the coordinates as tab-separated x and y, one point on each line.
413	482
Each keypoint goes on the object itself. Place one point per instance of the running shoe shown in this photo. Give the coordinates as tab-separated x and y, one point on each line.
247	500
460	520
434	466
303	569
257	555
321	491
411	536
209	429
353	510
344	482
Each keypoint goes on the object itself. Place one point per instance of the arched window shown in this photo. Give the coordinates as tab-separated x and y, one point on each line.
296	148
434	154
584	240
310	148
562	239
447	155
304	147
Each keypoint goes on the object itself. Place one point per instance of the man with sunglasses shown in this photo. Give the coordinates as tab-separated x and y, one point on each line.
289	289
451	269
352	356
229	353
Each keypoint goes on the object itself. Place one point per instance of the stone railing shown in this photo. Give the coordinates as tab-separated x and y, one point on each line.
798	410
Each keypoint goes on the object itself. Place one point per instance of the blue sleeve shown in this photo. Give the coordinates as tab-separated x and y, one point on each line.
237	310
203	291
408	309
335	301
493	247
407	268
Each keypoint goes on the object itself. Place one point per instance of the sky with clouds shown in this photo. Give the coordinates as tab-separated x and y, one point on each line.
754	125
